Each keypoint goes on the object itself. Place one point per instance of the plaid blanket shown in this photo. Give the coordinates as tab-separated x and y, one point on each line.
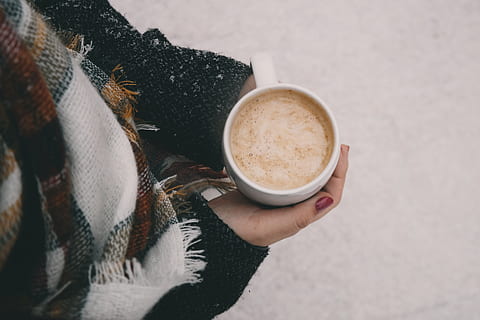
86	230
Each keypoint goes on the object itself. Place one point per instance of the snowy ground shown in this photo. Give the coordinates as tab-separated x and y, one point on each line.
403	78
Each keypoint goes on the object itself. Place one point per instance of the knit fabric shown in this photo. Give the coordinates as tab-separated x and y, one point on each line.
107	225
225	277
185	93
86	229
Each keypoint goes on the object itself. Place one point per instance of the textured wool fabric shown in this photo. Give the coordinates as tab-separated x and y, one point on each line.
86	231
30	126
228	270
185	93
10	202
95	198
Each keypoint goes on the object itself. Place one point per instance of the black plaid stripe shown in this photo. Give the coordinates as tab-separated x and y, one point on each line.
13	10
96	76
80	253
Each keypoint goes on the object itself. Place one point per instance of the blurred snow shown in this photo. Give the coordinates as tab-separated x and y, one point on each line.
403	78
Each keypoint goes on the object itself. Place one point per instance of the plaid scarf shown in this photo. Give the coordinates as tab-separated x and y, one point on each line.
86	229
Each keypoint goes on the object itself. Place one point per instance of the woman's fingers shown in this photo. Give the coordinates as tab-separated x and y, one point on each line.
289	220
336	183
261	226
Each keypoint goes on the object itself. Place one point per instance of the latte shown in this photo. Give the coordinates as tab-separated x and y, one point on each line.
281	139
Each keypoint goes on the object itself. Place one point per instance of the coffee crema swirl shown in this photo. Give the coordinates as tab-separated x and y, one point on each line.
281	139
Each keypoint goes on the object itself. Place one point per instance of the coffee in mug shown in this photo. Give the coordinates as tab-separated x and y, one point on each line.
281	139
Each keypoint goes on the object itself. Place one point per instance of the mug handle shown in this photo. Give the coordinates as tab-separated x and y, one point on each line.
263	69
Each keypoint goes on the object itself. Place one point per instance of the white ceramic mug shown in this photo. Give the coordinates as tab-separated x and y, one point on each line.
266	81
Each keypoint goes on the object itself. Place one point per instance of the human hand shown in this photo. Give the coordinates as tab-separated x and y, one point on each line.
264	226
248	86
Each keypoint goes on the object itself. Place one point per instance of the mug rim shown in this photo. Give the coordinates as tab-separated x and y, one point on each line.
304	188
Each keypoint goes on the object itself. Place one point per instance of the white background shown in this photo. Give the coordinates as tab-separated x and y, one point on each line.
403	78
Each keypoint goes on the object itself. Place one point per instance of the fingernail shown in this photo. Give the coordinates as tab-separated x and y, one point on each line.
346	147
323	203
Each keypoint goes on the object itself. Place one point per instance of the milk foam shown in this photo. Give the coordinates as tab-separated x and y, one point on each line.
281	140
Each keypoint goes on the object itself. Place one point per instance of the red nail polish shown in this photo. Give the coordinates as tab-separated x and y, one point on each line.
323	203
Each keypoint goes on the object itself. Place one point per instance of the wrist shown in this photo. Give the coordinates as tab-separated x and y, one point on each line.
248	86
